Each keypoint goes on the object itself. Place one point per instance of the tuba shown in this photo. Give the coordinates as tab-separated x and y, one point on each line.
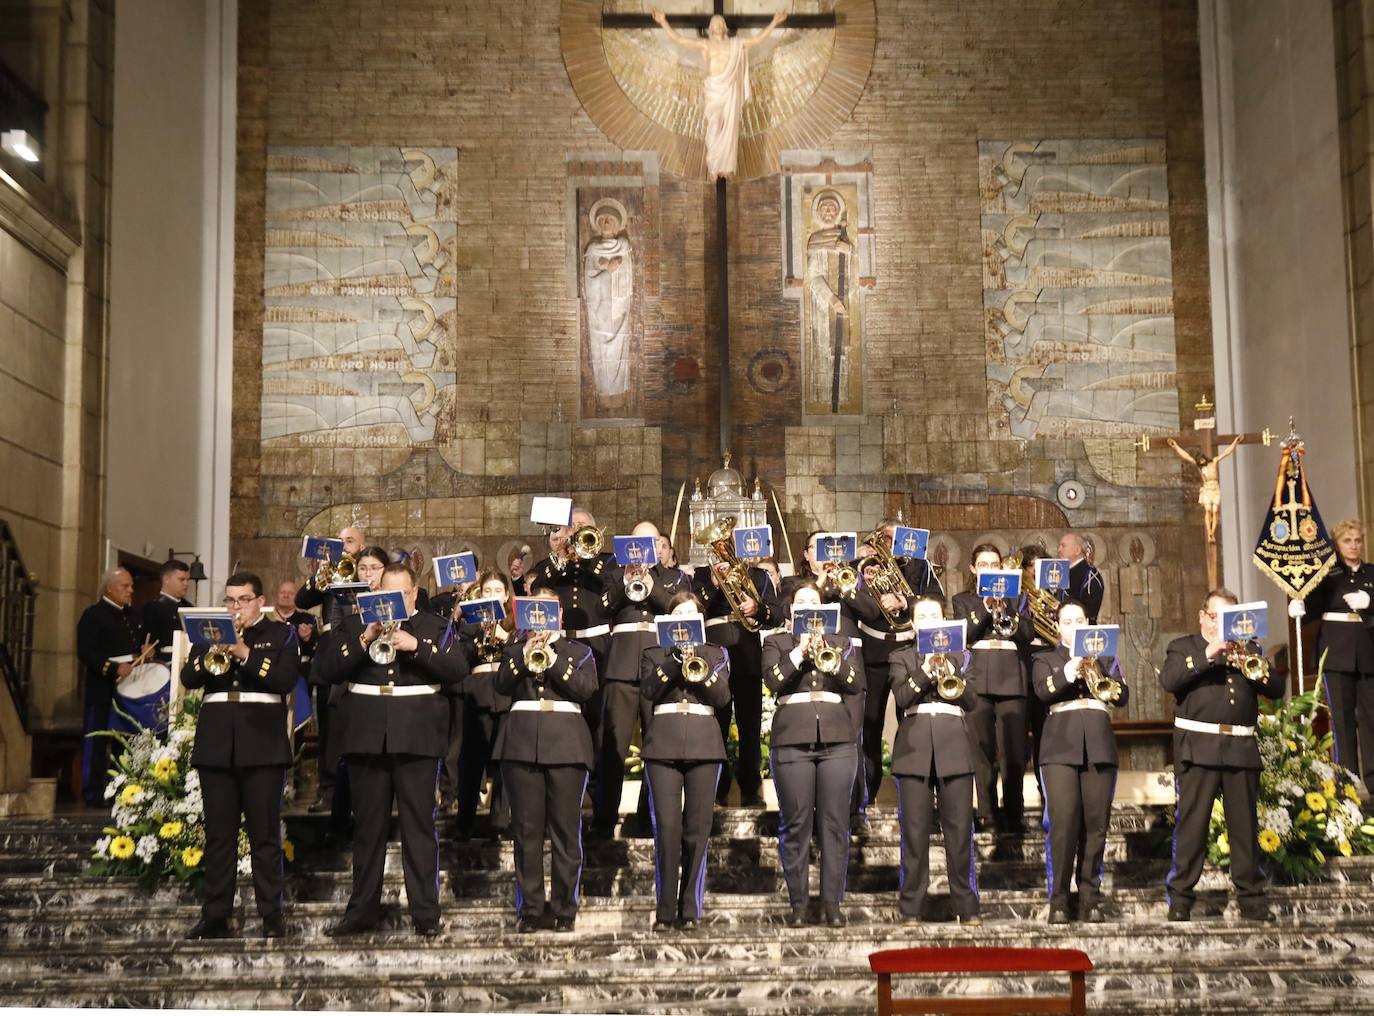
949	683
735	583
889	579
217	660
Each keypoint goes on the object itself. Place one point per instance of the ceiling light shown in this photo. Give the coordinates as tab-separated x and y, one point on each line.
21	144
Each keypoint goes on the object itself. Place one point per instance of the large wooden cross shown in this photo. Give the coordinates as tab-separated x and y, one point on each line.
611	21
1204	442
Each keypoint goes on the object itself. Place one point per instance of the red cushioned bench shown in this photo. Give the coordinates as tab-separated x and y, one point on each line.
974	960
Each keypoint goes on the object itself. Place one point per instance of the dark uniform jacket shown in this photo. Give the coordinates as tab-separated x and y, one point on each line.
160	620
810	722
240	734
684	737
993	671
393	724
106	631
308	647
873	623
1349	645
479	687
1212	691
584	590
922	739
715	605
441	604
546	738
1074	737
1086	586
623	658
335	604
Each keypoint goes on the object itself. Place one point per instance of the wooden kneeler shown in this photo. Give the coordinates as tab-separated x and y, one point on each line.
974	960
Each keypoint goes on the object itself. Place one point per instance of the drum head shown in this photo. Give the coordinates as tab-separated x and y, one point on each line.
144	680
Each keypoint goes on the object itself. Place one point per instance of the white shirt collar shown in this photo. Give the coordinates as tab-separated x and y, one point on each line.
112	603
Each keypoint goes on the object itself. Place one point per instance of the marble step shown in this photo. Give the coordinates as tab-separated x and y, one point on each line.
129	915
561	982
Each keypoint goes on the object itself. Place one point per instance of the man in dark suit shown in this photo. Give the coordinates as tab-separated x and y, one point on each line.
160	620
631	633
1215	711
1085	581
393	726
108	637
242	753
726	629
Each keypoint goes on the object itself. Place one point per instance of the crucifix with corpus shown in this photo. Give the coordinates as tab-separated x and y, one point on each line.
1199	450
727	89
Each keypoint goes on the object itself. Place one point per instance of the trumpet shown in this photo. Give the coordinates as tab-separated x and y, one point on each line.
1252	666
694	667
889	579
1006	623
637	585
826	657
844	577
1102	687
381	649
538	656
949	683
217	660
735	583
586	541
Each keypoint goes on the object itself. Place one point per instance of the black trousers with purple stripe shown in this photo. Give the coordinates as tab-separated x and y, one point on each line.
682	796
411	781
917	798
1078	809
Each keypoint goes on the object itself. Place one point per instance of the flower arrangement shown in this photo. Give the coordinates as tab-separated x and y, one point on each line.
157	818
1308	807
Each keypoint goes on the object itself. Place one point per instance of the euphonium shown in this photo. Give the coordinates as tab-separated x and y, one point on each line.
381	648
217	660
1252	665
694	667
949	683
586	541
538	656
1103	687
735	584
889	579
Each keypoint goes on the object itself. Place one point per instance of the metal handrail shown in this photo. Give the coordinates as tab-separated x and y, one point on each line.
18	601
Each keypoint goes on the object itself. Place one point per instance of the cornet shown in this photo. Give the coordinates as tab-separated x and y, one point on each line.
217	660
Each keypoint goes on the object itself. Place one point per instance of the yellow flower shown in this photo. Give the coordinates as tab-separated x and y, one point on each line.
1329	788
130	793
191	856
1291	746
289	849
1351	792
122	847
1344	847
164	769
1316	802
1223	844
1304	816
1269	840
170	830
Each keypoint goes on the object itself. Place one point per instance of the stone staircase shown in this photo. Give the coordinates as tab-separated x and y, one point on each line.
70	940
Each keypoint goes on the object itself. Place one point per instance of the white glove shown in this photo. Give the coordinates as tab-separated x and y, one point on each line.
1296	608
1358	600
1072	668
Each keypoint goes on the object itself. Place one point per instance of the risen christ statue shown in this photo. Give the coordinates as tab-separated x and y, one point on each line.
727	85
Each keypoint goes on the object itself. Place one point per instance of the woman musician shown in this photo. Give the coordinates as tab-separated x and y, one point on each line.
483	706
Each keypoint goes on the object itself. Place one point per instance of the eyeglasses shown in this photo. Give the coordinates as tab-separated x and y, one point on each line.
1211	615
239	601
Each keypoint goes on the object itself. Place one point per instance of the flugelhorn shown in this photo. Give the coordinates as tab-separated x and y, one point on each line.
217	660
381	649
